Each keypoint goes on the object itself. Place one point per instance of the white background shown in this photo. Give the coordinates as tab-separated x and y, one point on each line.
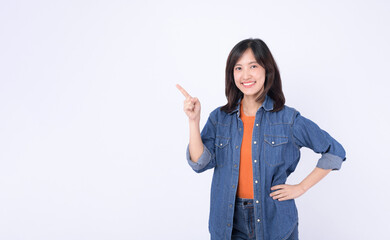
92	128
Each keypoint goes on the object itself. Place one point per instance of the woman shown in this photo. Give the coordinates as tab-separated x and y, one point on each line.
253	143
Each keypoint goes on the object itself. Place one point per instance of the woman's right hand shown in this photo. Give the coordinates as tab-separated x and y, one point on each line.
191	105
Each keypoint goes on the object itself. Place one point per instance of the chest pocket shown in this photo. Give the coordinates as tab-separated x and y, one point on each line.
221	149
274	149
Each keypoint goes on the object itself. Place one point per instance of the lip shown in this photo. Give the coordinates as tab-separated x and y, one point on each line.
249	85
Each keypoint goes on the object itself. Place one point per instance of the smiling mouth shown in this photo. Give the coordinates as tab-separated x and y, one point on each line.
247	84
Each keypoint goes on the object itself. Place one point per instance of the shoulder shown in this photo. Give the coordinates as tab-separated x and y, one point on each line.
284	116
221	117
290	110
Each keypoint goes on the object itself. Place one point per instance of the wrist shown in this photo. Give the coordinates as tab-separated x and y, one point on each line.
303	187
194	121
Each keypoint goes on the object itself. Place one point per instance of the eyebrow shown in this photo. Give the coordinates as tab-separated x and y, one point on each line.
248	63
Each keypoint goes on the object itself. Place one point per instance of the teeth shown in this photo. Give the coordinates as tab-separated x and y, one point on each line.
247	84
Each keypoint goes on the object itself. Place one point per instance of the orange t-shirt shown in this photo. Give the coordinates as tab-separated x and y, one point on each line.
245	177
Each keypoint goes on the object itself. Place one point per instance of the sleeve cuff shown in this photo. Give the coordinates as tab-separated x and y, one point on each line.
330	161
203	160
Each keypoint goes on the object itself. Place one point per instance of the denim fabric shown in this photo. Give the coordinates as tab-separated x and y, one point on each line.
244	221
276	142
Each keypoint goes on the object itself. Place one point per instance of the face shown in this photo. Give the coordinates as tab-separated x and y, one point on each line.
249	76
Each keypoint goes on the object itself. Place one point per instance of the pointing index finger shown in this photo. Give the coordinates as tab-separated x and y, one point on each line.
184	92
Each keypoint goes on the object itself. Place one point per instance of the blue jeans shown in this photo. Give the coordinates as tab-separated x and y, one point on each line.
244	221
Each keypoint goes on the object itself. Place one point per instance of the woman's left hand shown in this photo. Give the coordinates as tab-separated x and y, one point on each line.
287	191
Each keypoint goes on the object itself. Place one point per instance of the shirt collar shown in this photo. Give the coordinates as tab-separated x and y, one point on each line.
268	105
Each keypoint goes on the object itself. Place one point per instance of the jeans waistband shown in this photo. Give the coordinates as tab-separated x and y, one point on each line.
244	201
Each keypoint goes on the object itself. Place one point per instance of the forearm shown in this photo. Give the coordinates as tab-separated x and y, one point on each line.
314	177
196	144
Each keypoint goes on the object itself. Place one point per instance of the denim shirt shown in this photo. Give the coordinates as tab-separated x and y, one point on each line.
276	141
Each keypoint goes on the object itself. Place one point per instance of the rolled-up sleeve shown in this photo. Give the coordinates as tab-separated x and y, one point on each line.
308	134
207	159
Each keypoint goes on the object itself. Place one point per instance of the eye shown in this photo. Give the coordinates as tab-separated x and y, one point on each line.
254	66
237	68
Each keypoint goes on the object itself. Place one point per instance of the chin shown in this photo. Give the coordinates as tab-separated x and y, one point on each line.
251	92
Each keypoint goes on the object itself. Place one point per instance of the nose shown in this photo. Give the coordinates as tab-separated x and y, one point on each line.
246	73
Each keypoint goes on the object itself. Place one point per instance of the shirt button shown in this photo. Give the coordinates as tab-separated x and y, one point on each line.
255	160
255	181
236	147
258	220
233	186
228	224
235	165
220	144
257	124
254	142
273	142
230	205
257	201
239	129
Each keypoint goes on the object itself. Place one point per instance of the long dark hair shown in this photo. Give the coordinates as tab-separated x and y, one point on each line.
272	84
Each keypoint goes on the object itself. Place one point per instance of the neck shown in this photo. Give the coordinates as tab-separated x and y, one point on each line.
250	105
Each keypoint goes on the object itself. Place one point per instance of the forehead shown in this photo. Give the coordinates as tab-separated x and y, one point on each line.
247	58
